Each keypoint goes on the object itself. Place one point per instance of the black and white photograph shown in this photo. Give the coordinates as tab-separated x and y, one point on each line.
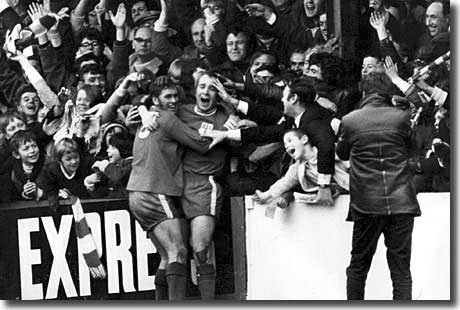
175	152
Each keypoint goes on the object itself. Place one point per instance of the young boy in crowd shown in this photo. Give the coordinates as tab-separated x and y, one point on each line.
67	172
114	171
10	123
27	165
304	170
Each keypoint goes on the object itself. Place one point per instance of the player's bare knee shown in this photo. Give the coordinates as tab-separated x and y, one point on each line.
202	256
182	254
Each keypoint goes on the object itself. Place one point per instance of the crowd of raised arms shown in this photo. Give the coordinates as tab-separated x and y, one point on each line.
189	99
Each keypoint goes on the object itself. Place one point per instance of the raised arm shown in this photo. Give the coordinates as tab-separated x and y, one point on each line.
77	17
160	41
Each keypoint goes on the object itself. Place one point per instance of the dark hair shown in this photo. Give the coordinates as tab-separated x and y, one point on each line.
123	142
332	67
260	53
274	69
90	68
85	58
7	117
304	90
90	34
379	83
26	88
21	137
299	132
158	88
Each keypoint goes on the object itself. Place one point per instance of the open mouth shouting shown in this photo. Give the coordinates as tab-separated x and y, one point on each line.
33	157
291	151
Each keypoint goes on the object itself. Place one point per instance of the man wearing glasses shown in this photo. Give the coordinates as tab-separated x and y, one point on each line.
146	56
91	50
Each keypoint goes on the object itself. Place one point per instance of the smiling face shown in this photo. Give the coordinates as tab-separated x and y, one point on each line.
237	47
435	19
14	126
168	100
29	104
295	145
198	33
312	7
70	162
94	79
113	154
82	103
205	94
371	64
28	152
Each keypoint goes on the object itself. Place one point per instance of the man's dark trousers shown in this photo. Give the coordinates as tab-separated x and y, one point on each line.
397	230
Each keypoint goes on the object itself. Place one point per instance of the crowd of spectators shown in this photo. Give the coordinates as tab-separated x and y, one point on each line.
83	76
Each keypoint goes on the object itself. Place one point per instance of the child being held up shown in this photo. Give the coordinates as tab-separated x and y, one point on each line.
303	171
112	174
26	167
66	172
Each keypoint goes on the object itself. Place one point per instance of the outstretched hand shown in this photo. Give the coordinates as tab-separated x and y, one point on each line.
261	197
228	83
391	69
35	11
379	20
119	20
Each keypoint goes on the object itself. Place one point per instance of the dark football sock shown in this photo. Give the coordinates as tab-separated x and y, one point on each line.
176	278
161	285
206	281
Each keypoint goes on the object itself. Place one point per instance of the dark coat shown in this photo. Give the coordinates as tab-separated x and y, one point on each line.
315	122
377	140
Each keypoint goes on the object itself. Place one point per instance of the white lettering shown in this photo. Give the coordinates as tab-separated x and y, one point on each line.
59	269
119	252
27	258
144	246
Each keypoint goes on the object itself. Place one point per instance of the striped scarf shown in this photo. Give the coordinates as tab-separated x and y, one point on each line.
86	240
